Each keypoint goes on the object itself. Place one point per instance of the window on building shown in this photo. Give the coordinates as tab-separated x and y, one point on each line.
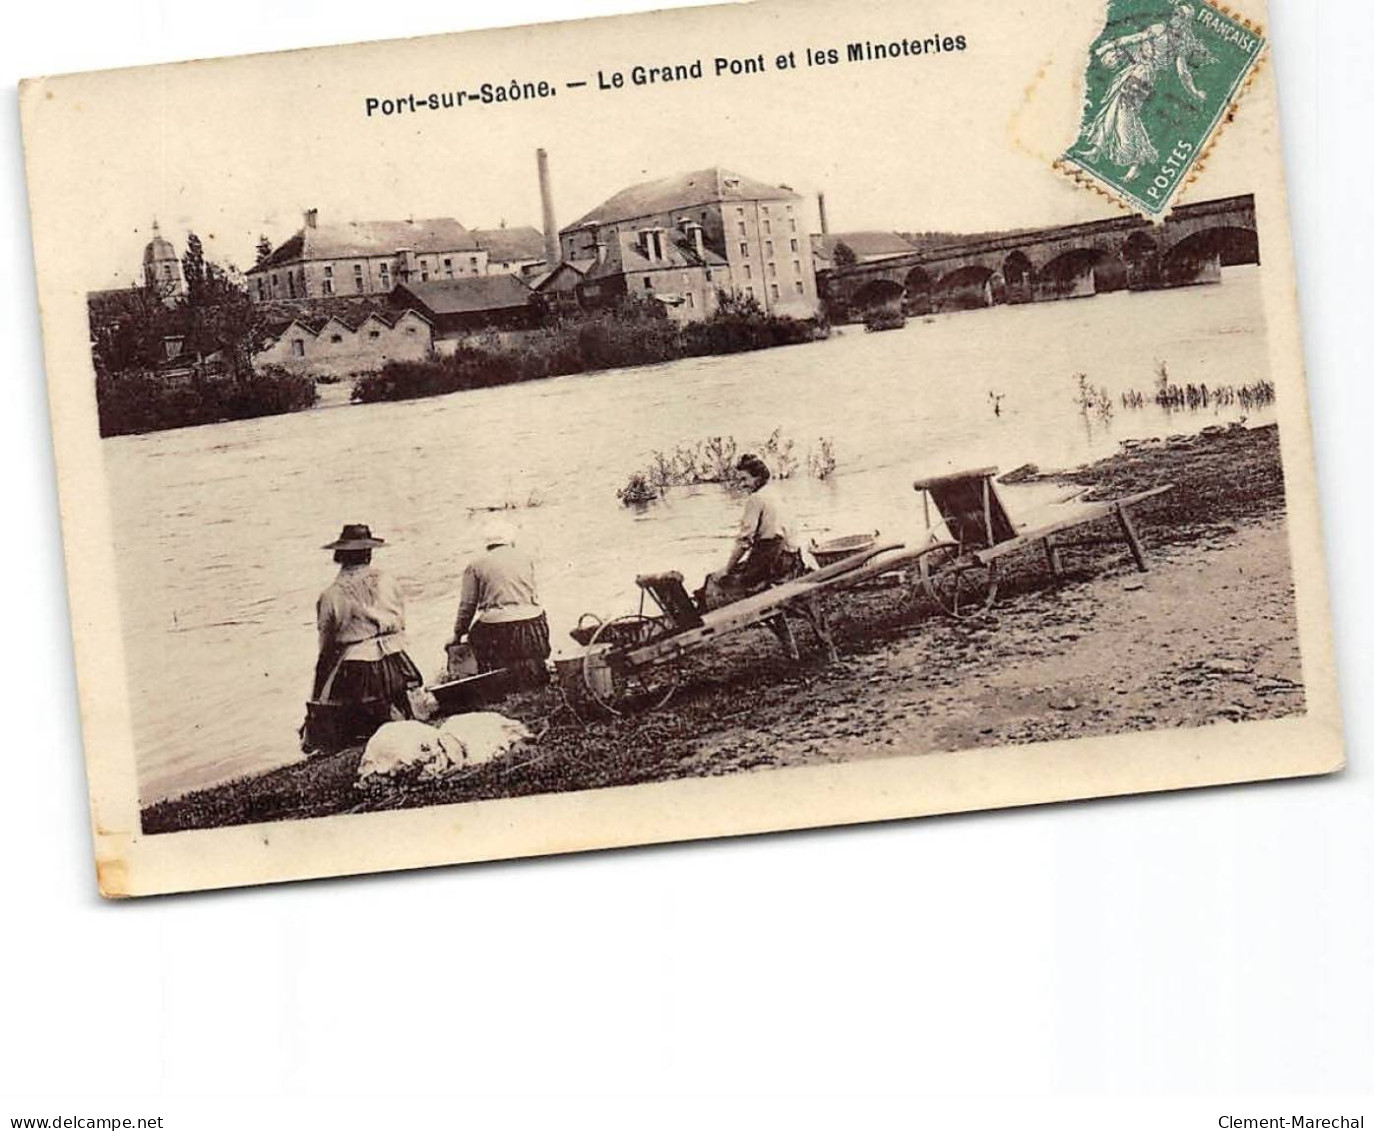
739	211
708	274
801	287
691	299
743	228
791	225
472	262
768	227
773	290
768	247
765	210
385	271
329	270
328	286
795	246
789	210
749	292
336	338
291	283
374	334
410	329
796	266
298	347
748	271
648	283
772	270
744	249
274	284
424	274
262	288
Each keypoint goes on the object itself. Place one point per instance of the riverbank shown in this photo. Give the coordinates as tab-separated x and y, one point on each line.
1206	637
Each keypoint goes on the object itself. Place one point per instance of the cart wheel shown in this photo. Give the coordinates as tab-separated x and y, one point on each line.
959	584
614	686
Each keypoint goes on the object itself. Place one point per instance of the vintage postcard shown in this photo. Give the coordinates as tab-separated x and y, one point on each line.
676	426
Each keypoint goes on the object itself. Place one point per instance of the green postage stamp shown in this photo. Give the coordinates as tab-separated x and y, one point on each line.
1162	78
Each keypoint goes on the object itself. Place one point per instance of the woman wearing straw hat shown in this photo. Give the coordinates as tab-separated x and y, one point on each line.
362	664
499	611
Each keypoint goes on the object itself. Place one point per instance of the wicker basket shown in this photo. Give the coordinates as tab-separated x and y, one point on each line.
837	549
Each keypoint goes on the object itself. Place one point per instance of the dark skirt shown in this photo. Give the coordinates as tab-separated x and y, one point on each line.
519	646
767	563
364	695
384	681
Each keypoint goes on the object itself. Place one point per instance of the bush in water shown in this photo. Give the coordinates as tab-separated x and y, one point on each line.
632	334
146	402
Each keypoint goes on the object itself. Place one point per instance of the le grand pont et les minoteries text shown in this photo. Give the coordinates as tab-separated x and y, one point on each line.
643	75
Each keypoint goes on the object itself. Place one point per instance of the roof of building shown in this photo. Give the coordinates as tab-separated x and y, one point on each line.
315	323
685	190
506	245
677	254
578	267
466	296
867	245
371	237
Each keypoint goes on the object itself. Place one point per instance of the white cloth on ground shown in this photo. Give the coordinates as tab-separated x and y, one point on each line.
434	752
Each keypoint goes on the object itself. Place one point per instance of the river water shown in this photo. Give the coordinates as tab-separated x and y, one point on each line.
218	529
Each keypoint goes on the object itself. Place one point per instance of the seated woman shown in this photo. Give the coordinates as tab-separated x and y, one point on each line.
362	670
764	553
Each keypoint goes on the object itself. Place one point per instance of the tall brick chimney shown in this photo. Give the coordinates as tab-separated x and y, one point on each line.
312	216
825	225
551	255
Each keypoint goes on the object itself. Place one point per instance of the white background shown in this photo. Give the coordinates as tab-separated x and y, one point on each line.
1212	947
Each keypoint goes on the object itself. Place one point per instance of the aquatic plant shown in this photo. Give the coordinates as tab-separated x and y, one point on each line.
636	491
1091	400
820	460
713	459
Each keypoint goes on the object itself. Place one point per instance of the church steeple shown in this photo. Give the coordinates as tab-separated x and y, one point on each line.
162	267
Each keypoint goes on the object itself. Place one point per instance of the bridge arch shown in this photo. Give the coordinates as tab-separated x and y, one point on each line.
965	288
1073	273
878	292
1232	246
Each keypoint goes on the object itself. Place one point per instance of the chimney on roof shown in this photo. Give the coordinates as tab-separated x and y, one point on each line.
551	255
825	226
698	240
312	216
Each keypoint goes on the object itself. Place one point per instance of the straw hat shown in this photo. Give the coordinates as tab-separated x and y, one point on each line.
355	536
498	532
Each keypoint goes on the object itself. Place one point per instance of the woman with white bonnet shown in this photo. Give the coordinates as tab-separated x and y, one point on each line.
499	612
362	662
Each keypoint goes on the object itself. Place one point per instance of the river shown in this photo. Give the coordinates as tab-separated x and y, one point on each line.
218	529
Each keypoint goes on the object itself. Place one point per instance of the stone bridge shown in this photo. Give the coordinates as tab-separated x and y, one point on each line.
1191	246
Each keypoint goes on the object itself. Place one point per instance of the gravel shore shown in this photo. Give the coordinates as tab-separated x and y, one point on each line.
1206	637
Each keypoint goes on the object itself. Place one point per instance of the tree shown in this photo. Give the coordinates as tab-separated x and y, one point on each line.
225	320
844	255
193	267
264	251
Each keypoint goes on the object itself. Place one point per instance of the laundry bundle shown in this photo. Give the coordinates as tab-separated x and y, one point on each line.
411	750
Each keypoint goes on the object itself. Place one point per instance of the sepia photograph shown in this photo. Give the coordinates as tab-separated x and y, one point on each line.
687	424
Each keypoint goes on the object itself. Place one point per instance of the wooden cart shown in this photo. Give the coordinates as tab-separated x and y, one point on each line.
974	530
634	659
